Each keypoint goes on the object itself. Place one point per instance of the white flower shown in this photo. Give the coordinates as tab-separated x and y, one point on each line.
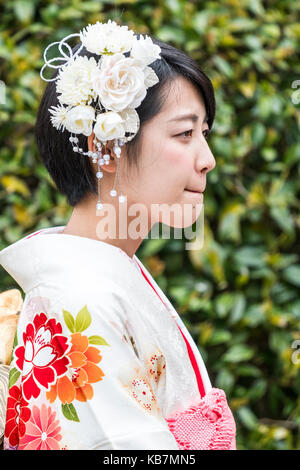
131	121
59	116
75	81
107	38
144	50
150	77
80	120
120	83
109	126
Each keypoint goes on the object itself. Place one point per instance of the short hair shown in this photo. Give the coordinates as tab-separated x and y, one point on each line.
73	173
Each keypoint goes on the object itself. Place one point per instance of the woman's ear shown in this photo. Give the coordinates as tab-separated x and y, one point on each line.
108	149
91	145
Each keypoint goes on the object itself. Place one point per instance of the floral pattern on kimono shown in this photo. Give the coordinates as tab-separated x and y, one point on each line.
136	382
46	366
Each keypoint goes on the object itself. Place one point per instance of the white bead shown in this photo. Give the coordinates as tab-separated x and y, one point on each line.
106	156
113	192
121	198
75	149
99	174
101	161
99	205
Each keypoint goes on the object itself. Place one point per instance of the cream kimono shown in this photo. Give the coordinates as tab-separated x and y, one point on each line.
101	358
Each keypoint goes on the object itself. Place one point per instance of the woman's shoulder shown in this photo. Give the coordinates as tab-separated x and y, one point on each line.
69	301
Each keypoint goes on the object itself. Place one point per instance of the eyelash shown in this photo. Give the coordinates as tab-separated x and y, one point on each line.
191	130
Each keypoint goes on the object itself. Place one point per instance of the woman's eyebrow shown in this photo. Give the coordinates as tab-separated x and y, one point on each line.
185	117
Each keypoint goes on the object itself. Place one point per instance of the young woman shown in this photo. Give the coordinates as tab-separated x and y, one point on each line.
102	360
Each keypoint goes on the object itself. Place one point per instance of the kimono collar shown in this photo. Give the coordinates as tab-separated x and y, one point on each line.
48	254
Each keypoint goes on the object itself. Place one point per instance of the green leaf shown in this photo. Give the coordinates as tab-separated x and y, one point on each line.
15	341
254	315
170	34
283	218
153	246
24	10
269	154
69	412
225	380
229	222
248	418
224	303
258	133
220	336
292	154
257	389
69	320
238	353
250	256
248	370
279	341
224	66
238	308
14	374
292	275
14	346
98	340
83	320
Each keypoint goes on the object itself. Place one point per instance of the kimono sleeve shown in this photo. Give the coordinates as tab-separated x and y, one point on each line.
76	381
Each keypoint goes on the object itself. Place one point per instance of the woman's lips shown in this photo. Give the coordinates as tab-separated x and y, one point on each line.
194	193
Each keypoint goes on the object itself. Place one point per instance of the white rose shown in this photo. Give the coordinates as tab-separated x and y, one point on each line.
120	83
144	50
80	119
109	126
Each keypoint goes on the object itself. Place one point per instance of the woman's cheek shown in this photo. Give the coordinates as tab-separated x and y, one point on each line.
174	154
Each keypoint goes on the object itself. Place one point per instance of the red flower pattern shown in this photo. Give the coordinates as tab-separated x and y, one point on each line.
17	415
42	358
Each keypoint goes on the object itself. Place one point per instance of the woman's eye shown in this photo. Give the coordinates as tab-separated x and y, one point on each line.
186	132
206	132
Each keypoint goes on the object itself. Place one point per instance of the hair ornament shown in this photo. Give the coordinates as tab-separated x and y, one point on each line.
100	95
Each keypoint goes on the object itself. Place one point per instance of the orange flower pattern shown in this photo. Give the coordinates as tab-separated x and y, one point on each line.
82	372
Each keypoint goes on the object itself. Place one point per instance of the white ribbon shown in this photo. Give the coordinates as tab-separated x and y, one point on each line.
66	58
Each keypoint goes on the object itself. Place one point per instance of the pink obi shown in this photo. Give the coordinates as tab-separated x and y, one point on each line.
208	425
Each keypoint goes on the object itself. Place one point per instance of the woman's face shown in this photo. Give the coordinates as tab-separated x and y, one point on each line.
175	158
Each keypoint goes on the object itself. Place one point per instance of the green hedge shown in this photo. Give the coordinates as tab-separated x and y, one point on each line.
239	295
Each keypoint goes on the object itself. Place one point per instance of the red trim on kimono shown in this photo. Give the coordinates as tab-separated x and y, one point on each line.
190	351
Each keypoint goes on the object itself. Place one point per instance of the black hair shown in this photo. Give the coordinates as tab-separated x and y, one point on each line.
72	172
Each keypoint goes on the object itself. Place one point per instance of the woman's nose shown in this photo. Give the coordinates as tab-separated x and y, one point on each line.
206	164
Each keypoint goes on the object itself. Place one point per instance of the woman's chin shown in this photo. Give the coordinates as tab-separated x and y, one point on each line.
184	217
